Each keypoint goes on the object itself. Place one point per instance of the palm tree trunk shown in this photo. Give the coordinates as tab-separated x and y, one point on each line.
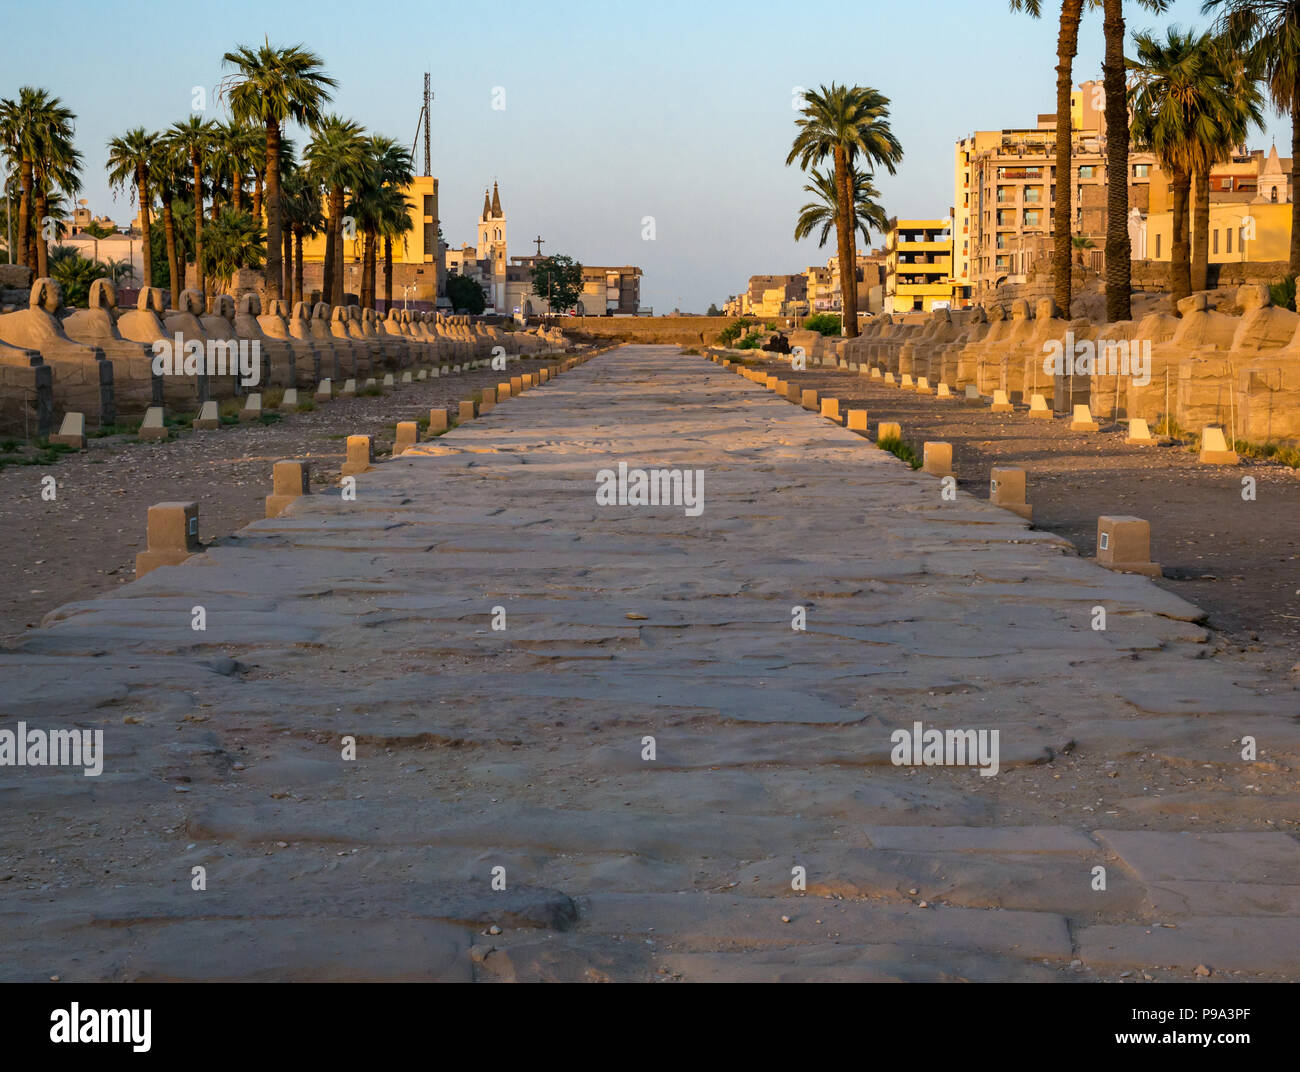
273	270
42	247
146	247
327	274
198	223
257	197
1200	267
335	295
236	189
844	230
173	259
297	265
388	272
288	261
1295	175
1180	248
25	208
1119	269
1067	47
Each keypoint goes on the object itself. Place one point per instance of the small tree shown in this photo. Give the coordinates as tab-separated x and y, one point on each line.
713	310
558	279
464	293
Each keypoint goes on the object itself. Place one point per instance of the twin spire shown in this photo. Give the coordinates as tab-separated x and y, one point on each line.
492	209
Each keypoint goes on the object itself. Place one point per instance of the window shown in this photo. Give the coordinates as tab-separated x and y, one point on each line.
1216	242
1273	195
1157	247
1087	171
1141	171
1228	231
1033	217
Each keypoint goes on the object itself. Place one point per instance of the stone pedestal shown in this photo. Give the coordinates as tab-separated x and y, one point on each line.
289	480
209	418
72	432
1214	448
408	434
172	536
1007	490
1124	544
937	458
361	456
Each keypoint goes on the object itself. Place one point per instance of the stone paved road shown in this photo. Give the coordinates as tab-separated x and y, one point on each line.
522	748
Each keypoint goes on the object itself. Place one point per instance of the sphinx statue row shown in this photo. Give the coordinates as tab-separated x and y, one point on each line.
1201	366
101	361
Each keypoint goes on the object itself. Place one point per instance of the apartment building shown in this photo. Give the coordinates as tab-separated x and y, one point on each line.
918	265
1005	195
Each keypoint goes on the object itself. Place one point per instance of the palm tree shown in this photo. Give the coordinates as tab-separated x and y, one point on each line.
1067	47
1270	32
1192	102
238	144
21	138
271	87
234	241
394	223
1233	104
36	130
337	159
1119	267
303	218
843	123
824	212
195	138
166	169
129	158
378	198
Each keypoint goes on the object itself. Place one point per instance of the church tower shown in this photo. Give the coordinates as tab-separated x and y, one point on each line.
492	245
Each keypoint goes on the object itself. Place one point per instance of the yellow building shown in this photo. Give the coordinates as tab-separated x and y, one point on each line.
918	265
1249	232
416	263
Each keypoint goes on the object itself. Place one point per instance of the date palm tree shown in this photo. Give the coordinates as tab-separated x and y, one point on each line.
824	211
234	241
394	224
129	158
194	138
1119	266
1269	32
379	195
1067	47
1168	104
337	159
166	168
303	218
36	130
842	123
273	86
237	146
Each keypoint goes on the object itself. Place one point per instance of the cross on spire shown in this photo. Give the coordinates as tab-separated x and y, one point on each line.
539	240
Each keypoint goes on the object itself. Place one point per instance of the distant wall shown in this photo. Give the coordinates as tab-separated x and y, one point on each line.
681	330
1154	275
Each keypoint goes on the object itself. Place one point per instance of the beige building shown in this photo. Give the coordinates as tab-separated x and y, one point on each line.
1005	195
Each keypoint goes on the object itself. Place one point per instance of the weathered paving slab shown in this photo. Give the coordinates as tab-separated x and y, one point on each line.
770	837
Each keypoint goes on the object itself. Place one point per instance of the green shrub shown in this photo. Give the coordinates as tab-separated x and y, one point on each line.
899	449
752	341
823	324
732	332
1283	293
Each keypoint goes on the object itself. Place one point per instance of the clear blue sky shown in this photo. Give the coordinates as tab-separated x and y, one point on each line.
676	110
